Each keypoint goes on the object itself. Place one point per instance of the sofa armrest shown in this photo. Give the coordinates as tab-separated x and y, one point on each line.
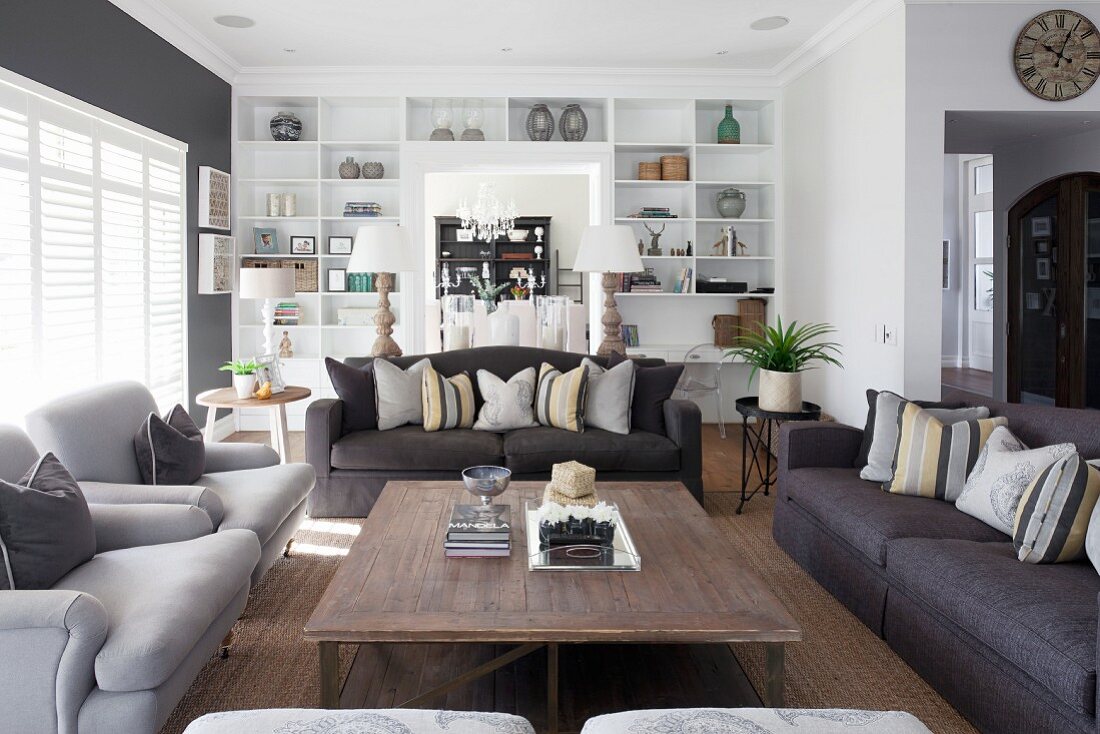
237	456
130	526
324	419
818	444
195	495
48	644
684	425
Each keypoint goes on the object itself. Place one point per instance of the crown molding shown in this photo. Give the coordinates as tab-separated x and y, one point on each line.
838	33
167	24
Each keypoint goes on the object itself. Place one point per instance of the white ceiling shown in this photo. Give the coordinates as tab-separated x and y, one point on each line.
620	34
982	132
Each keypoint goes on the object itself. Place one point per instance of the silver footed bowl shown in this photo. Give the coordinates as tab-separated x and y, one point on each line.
486	482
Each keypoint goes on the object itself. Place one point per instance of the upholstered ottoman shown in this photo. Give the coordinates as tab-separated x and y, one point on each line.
757	721
381	721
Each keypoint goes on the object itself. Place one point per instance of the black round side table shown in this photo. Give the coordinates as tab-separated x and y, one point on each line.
757	435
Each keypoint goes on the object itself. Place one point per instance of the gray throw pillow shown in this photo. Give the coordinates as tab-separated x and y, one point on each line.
170	450
46	529
398	391
610	393
888	406
508	405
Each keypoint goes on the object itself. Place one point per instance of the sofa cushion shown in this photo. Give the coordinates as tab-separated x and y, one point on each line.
410	447
260	499
867	518
355	386
447	402
652	387
755	721
170	450
872	423
1039	618
538	449
160	599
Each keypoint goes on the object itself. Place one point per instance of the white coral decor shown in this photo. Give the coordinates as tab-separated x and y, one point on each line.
553	513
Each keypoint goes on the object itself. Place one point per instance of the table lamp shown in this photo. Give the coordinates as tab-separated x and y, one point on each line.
267	284
609	249
385	250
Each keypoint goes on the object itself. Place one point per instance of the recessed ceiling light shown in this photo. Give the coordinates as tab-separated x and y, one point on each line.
506	49
234	21
770	23
720	53
290	50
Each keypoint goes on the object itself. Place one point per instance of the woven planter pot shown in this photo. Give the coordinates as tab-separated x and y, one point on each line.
780	392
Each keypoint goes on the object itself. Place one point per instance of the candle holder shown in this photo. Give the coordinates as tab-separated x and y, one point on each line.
458	322
444	282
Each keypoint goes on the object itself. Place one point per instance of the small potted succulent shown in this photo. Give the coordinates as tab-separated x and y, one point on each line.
244	375
780	355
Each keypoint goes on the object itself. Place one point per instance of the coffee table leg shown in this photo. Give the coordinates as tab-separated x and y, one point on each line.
330	674
774	677
552	688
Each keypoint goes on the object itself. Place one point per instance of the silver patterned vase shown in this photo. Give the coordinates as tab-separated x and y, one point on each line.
285	126
540	123
349	168
373	169
573	124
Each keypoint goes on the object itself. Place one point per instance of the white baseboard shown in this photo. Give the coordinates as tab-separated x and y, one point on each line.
225	427
952	361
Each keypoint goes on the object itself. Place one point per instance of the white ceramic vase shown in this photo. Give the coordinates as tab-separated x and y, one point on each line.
503	327
780	392
243	384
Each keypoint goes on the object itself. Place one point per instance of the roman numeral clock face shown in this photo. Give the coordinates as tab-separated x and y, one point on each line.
1058	55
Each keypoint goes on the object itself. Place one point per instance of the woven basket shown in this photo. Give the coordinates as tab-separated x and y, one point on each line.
725	329
573	479
674	168
565	500
752	313
649	171
305	270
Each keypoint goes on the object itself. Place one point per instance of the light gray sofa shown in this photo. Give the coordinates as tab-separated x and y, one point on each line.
116	642
244	487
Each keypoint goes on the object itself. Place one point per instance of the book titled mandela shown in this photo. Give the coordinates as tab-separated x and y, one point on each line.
480	522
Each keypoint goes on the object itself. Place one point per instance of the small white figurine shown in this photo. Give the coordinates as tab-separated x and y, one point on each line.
539	231
538	252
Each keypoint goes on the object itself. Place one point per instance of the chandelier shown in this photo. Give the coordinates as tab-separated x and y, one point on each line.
489	218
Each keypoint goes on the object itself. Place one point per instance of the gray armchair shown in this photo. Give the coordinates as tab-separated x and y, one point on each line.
244	487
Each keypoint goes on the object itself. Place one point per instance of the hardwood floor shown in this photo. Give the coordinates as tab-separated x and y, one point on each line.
968	380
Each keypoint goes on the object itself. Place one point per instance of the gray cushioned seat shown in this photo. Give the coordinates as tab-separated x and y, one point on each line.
867	517
1039	618
260	499
160	599
538	449
411	447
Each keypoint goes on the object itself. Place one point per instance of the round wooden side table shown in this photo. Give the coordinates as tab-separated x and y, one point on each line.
758	435
226	397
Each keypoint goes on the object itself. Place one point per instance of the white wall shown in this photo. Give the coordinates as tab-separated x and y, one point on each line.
844	140
952	325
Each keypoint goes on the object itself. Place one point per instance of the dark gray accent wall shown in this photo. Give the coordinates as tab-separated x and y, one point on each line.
97	53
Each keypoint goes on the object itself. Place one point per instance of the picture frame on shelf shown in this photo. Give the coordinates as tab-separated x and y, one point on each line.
267	370
340	244
337	279
464	235
1040	227
216	253
265	240
214	191
303	245
1042	268
1042	247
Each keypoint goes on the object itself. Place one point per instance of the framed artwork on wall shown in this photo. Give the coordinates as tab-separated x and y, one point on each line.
946	273
1042	268
214	187
216	252
1040	227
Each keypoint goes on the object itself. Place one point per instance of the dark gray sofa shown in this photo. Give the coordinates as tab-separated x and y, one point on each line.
352	469
1012	646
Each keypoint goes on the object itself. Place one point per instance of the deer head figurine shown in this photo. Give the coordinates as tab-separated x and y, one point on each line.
656	236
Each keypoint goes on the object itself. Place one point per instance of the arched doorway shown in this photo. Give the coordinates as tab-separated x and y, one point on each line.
1053	317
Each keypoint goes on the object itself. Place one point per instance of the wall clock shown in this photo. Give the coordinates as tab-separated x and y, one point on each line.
1057	55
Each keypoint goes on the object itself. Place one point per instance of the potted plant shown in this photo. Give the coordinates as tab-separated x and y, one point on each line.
519	292
244	375
780	355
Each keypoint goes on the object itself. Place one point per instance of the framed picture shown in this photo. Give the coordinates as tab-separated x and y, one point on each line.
340	244
1042	268
1093	298
464	235
303	245
213	198
1042	247
1040	227
268	371
337	280
216	253
266	240
946	273
1032	301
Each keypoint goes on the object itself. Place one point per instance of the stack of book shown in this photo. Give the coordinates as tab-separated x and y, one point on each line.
644	282
654	212
362	209
287	313
477	531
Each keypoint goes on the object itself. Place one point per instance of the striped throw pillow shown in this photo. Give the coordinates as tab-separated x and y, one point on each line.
1054	513
932	459
559	398
448	402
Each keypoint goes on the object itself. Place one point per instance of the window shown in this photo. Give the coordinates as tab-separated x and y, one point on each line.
91	250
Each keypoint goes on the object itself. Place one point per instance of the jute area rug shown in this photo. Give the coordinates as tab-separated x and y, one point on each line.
839	664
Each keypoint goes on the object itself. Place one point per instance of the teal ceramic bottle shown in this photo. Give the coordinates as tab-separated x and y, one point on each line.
729	129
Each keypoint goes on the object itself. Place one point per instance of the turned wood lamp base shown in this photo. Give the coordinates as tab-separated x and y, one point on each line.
612	321
384	345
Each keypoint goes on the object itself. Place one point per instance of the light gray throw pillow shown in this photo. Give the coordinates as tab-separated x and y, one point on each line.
610	392
888	406
399	393
1092	535
507	405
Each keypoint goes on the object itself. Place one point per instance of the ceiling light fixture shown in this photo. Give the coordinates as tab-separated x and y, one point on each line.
720	53
506	49
771	23
290	50
234	21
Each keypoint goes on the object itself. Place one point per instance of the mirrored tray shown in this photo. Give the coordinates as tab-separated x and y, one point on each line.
622	555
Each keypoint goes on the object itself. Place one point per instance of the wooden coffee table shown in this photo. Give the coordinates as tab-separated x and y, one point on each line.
395	586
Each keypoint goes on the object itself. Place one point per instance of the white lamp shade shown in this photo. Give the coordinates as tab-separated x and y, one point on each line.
264	283
381	249
608	248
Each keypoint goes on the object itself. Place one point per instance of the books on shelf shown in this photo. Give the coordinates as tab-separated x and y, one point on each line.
362	209
630	334
287	313
643	282
478	531
683	283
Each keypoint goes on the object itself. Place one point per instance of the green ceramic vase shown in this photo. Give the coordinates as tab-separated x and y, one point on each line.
729	129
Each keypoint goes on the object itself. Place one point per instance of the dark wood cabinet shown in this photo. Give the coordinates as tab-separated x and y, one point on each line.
504	256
